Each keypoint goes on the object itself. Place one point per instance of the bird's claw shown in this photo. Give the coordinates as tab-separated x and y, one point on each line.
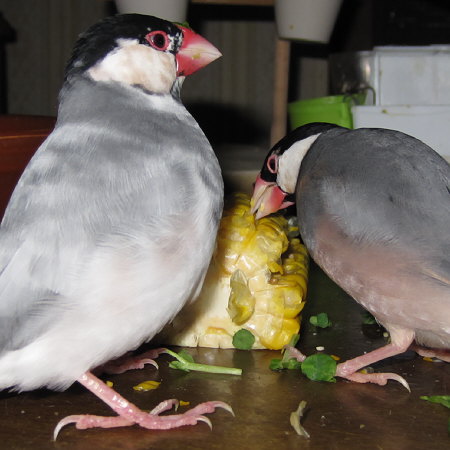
402	381
165	406
62	423
225	406
206	420
377	378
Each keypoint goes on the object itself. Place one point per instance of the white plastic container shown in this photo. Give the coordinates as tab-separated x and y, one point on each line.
308	20
395	75
173	10
430	124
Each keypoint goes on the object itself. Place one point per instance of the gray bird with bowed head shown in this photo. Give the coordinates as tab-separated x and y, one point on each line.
374	212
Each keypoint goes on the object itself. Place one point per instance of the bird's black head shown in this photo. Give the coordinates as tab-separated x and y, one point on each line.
275	185
140	51
269	171
103	37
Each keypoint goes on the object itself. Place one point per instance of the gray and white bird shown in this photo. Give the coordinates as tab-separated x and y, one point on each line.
112	225
374	212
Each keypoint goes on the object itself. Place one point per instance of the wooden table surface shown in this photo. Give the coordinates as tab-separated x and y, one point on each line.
339	415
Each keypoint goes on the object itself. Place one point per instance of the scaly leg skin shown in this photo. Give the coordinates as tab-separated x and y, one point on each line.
128	362
400	341
129	414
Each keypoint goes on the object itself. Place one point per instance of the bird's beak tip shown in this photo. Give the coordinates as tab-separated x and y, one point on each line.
195	52
267	198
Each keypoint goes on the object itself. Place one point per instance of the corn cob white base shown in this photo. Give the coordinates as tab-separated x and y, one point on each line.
267	271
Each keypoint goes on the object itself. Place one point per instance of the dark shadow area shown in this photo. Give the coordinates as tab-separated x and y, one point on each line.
197	13
224	124
7	35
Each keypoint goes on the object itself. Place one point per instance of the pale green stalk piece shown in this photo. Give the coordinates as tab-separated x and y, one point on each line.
187	364
295	420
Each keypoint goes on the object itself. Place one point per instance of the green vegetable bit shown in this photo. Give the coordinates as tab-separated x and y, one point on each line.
243	339
441	399
184	24
279	364
319	367
321	320
368	319
185	361
286	362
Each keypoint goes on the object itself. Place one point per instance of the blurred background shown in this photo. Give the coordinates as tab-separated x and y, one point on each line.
233	98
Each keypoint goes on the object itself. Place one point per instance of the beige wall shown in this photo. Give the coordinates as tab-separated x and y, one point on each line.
240	82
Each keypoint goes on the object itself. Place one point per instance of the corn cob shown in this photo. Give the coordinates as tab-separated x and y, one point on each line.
256	280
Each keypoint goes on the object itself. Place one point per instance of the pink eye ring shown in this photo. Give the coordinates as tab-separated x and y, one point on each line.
272	164
158	40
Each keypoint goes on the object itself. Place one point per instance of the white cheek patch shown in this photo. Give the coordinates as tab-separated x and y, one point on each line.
135	64
290	161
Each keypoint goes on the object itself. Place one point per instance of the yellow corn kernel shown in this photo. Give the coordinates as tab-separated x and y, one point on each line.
147	386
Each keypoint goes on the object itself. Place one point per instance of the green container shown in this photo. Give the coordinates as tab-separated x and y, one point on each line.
335	109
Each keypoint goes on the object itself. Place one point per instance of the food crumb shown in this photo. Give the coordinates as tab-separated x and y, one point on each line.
295	419
320	348
361	426
147	386
109	383
336	358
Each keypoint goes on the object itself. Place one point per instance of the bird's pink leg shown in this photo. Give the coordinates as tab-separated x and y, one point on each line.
129	414
127	362
400	341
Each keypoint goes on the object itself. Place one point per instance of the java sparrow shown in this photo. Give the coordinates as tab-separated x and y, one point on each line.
373	209
112	225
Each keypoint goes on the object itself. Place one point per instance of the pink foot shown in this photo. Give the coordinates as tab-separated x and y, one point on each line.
377	378
129	414
400	341
127	362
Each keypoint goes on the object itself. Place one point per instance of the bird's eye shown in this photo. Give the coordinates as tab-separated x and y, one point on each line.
158	40
272	164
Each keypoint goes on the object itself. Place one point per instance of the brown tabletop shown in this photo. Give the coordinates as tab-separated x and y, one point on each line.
20	136
339	415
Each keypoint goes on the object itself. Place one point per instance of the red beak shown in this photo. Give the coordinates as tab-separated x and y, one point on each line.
195	52
267	198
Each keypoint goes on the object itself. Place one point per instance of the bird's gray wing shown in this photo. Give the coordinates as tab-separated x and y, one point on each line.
384	188
97	175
